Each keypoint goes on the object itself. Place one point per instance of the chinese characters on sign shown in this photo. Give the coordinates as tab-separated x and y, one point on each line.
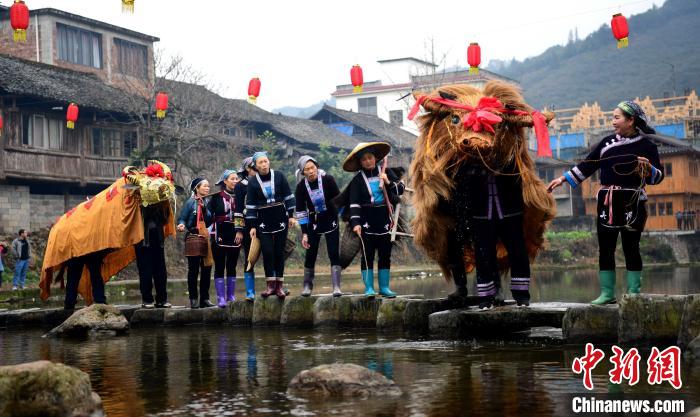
662	366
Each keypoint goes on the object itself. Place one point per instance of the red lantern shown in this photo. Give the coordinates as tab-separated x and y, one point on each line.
19	20
71	115
474	58
128	6
253	90
620	30
356	78
1	123
161	105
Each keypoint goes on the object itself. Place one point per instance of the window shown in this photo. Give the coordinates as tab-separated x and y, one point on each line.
662	209
367	105
669	208
112	142
79	46
130	142
250	133
230	131
132	58
396	117
652	209
41	132
546	174
668	169
693	168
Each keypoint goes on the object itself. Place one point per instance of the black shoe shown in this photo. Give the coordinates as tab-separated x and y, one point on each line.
194	304
522	303
163	305
486	303
206	304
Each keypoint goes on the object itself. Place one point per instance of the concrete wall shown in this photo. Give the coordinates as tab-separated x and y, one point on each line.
46	208
14	208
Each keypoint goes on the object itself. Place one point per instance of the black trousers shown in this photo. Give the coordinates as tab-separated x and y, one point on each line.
607	242
150	261
509	231
380	243
225	260
272	247
195	267
75	267
332	244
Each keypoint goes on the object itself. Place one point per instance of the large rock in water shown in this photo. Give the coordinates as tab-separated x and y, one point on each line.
650	318
46	389
343	380
591	324
98	318
690	322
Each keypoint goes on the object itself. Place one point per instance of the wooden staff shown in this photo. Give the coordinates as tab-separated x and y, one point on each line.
386	194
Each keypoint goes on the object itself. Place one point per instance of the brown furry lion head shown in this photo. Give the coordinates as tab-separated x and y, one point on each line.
464	124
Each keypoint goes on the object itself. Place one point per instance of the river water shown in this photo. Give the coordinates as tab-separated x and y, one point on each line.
224	370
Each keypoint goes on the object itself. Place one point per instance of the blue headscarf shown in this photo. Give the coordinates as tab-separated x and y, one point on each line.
258	155
227	173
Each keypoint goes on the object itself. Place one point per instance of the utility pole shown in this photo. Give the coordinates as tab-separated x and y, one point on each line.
673	78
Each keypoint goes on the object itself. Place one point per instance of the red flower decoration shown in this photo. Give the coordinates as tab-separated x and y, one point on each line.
155	170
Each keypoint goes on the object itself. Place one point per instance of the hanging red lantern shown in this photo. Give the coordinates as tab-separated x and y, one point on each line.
71	115
161	105
253	90
19	20
128	6
1	123
356	78
474	58
620	30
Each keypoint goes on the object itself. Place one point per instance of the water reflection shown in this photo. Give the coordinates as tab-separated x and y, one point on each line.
212	371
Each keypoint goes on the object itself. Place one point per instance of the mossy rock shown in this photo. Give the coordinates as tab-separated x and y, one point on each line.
267	311
298	311
391	314
591	324
240	312
650	318
46	389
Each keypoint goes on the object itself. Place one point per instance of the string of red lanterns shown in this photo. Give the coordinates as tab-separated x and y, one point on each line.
19	20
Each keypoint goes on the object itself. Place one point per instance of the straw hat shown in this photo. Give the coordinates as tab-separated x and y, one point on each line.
379	149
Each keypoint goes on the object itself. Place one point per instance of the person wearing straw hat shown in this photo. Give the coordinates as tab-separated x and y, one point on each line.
226	207
317	217
371	194
246	172
628	160
270	209
194	218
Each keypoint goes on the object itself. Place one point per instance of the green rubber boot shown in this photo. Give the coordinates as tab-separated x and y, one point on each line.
634	281
607	288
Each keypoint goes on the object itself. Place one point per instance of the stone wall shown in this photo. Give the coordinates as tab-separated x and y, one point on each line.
45	208
14	208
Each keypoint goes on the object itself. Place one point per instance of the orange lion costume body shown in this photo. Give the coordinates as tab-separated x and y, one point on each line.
109	223
472	146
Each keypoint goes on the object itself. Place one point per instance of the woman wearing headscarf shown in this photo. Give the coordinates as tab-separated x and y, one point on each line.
317	217
372	193
226	208
245	174
628	160
195	213
270	209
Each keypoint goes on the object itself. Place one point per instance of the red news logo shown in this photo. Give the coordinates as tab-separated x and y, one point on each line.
662	366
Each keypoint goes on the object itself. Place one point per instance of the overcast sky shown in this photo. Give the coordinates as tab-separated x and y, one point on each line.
302	49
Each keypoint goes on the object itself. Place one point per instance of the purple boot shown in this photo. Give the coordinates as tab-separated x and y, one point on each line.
230	289
220	292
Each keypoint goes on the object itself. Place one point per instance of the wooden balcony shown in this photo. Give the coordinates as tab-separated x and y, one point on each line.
58	166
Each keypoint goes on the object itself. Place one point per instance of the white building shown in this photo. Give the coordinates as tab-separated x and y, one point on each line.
389	97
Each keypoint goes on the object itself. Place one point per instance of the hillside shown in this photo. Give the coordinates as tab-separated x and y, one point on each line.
593	69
